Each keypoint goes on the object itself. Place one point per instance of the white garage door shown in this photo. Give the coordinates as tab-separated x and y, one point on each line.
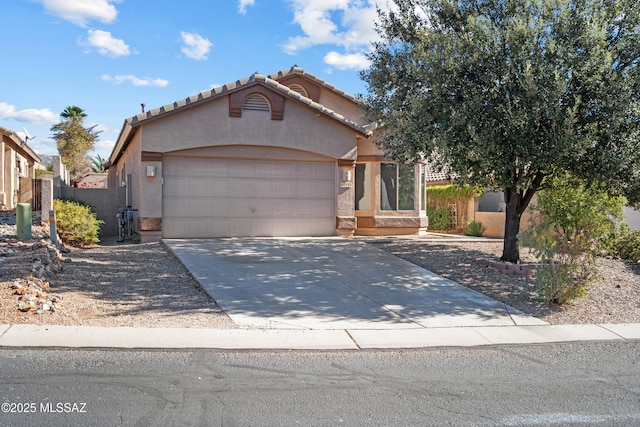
234	198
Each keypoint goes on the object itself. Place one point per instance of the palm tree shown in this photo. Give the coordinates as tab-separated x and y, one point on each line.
74	141
97	164
74	113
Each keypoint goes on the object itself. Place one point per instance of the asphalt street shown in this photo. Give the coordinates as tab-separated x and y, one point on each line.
594	383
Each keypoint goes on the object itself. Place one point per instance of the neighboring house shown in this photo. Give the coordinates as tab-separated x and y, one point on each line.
488	209
279	155
17	169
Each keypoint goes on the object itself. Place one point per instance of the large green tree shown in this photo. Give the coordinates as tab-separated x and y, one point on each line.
511	92
74	141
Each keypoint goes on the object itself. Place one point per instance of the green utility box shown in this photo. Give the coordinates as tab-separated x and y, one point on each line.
23	221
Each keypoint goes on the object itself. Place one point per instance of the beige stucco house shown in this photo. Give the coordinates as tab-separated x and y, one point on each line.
17	168
280	155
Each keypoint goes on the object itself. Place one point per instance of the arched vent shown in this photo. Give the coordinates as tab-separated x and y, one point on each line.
299	89
256	102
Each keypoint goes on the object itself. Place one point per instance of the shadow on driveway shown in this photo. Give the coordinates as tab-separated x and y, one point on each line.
331	283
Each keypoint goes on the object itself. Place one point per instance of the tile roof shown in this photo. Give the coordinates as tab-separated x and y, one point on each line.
437	169
300	71
432	174
269	81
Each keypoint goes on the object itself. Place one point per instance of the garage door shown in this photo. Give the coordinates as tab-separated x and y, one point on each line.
233	198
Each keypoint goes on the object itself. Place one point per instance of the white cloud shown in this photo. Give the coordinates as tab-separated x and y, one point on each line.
106	44
359	23
103	146
243	4
345	23
135	81
195	46
80	12
348	61
29	115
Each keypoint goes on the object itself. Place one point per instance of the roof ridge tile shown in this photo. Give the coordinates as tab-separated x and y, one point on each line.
270	81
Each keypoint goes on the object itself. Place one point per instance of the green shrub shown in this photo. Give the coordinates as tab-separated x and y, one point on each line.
451	193
39	173
628	245
474	228
77	225
556	282
566	268
577	224
441	198
439	218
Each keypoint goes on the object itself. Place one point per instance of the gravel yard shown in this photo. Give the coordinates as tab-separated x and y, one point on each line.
614	296
144	285
112	284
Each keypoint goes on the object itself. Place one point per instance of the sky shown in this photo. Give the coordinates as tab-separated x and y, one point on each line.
109	56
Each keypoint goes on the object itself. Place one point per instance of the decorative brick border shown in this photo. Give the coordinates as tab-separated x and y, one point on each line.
519	270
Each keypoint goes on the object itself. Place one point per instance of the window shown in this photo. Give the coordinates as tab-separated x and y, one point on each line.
20	166
396	187
363	186
255	102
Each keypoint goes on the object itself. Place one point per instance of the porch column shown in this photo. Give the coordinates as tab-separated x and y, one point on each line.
3	200
10	177
345	215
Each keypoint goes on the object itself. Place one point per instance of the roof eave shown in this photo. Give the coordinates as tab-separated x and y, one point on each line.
133	122
21	146
121	143
296	70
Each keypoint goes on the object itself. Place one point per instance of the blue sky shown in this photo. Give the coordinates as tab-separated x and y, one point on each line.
109	56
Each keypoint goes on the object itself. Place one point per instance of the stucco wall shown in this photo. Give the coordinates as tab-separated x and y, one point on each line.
129	164
151	189
494	222
105	203
367	148
342	106
208	131
210	125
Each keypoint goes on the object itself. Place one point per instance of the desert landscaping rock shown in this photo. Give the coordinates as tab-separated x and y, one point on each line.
110	284
613	296
144	285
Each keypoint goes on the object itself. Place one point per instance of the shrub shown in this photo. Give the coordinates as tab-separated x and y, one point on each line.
474	228
566	268
77	225
627	246
577	221
441	198
40	173
439	218
556	282
452	193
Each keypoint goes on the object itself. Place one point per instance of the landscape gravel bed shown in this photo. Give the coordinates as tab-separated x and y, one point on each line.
145	285
111	284
613	297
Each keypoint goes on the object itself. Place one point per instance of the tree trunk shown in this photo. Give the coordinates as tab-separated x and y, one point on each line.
517	202
511	249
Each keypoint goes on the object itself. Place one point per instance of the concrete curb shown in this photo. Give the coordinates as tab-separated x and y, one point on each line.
56	336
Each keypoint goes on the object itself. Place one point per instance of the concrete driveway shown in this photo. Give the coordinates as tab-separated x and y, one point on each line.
332	283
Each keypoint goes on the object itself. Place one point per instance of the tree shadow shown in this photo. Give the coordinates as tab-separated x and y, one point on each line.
457	262
329	283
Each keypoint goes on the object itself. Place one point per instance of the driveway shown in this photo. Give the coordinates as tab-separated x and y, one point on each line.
332	283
